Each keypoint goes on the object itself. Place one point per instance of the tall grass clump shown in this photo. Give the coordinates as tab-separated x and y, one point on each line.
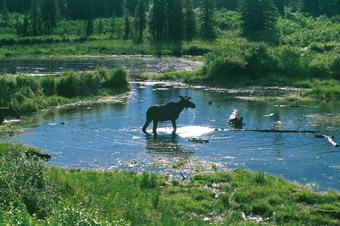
22	182
28	94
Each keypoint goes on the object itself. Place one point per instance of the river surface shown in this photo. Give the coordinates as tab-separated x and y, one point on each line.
134	63
109	136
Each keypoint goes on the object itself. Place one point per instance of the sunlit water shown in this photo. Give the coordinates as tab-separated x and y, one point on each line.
109	136
134	63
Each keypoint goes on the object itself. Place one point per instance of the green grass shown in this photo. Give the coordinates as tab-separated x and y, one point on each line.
28	94
71	196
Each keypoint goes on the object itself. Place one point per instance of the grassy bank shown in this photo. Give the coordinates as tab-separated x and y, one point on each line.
34	194
313	89
27	94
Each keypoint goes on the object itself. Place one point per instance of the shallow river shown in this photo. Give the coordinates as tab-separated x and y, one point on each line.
109	136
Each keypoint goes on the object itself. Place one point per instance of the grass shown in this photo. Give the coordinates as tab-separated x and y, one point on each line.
28	94
71	196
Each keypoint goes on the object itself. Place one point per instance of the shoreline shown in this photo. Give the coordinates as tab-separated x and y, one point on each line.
236	196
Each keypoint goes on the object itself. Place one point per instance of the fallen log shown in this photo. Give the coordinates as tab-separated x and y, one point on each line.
276	131
329	139
200	141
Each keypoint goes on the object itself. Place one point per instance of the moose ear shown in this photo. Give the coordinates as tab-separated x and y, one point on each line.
182	97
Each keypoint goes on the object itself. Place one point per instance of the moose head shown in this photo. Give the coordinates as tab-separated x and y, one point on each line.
186	103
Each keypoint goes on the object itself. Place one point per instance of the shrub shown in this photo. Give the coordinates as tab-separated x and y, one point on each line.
22	181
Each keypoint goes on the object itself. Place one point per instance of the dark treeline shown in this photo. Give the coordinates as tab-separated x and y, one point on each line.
78	9
165	19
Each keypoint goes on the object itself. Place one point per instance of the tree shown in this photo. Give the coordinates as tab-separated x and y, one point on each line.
175	20
189	20
89	16
311	7
89	27
140	20
100	26
227	4
280	5
207	28
35	18
127	26
158	20
4	13
49	15
113	24
258	16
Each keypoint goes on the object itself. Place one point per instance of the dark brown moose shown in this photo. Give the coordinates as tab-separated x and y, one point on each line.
168	112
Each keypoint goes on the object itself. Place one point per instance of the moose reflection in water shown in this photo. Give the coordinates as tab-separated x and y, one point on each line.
167	112
166	144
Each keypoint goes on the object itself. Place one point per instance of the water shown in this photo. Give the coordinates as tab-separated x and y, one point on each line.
135	64
108	136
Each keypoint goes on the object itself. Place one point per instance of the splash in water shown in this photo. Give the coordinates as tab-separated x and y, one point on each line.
189	131
193	115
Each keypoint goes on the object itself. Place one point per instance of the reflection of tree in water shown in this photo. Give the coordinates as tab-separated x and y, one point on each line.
166	144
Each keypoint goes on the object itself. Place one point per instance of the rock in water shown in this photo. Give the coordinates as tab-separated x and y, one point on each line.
235	121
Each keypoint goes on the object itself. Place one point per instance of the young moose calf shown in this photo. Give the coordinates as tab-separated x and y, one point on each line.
167	112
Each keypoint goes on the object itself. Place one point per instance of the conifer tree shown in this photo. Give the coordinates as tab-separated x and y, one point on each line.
207	28
311	7
140	20
258	16
189	20
175	20
280	5
158	20
113	24
100	26
49	15
89	27
35	18
4	13
127	25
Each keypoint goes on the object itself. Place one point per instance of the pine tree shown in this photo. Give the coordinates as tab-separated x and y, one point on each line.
4	13
100	26
189	20
35	18
280	5
158	20
49	15
89	27
311	7
127	26
207	28
175	20
258	16
113	24
140	20
25	26
89	16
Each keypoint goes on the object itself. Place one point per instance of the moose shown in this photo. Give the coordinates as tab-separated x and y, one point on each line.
7	111
170	111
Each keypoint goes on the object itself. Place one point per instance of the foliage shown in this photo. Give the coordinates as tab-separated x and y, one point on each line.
207	29
258	17
28	94
76	197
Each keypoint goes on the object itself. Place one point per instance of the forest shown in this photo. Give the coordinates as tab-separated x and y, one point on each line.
159	20
77	76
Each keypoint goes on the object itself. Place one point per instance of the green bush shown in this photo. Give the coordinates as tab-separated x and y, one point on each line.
28	94
22	182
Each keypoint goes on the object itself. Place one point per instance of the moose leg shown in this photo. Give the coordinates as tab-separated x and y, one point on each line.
147	123
155	124
174	125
